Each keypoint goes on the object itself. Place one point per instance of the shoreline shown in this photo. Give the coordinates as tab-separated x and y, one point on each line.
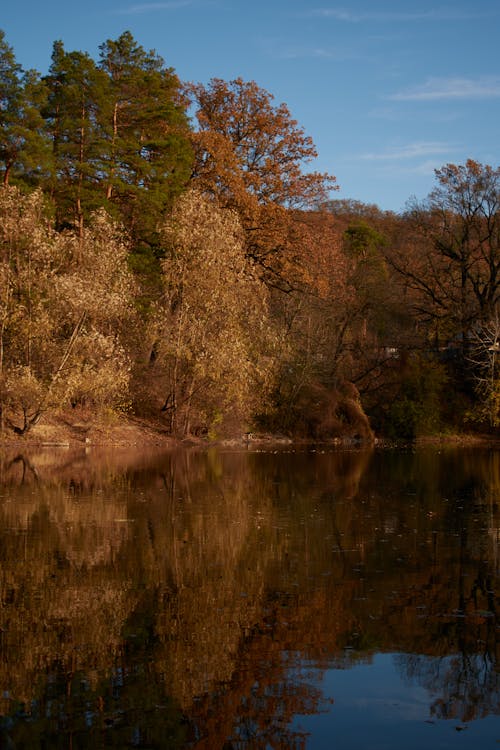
86	430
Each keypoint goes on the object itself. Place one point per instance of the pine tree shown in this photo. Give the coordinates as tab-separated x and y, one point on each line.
147	157
76	107
24	146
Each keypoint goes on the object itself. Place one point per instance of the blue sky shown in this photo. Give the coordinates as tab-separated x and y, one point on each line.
388	90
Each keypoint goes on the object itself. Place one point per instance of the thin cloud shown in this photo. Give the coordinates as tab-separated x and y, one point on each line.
297	53
315	53
153	7
278	49
394	113
438	14
438	89
409	151
425	168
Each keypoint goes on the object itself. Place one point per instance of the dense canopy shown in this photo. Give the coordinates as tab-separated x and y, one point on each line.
167	249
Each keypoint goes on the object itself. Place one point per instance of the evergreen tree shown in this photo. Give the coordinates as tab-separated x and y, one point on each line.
77	104
24	146
147	156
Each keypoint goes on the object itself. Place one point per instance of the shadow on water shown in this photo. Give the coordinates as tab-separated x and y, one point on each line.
195	599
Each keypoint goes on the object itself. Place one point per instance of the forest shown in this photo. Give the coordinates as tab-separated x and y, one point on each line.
166	252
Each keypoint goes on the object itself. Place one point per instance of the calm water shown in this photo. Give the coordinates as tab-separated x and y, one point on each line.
241	600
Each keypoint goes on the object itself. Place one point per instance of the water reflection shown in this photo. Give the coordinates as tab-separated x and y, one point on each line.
198	599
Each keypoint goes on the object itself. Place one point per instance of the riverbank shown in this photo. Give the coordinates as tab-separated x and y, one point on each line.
83	428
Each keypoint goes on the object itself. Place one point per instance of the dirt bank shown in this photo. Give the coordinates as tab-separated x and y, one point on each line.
81	428
84	428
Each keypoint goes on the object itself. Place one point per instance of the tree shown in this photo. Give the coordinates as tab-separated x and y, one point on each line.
363	246
146	159
353	210
213	323
64	303
484	351
260	143
10	95
317	324
119	135
450	257
467	204
253	156
75	110
24	146
312	319
99	289
375	312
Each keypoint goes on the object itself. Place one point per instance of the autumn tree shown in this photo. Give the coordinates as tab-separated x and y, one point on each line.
99	289
264	147
64	299
311	319
254	156
317	324
450	255
446	254
351	210
212	325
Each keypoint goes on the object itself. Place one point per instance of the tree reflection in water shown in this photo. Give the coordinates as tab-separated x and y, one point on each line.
465	686
175	600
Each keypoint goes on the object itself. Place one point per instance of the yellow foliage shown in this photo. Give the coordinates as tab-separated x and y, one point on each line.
64	300
215	313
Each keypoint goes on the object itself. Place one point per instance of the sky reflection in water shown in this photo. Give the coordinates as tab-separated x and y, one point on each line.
373	707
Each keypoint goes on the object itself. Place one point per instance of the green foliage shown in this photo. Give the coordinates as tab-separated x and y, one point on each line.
417	409
213	303
77	101
24	146
119	134
363	245
362	241
485	414
147	157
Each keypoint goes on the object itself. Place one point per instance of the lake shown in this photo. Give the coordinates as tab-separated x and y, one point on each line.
241	599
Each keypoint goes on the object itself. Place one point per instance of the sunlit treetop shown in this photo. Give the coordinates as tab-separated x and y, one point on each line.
255	146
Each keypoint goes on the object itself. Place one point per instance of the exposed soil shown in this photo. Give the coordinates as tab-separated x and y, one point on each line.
83	428
80	428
